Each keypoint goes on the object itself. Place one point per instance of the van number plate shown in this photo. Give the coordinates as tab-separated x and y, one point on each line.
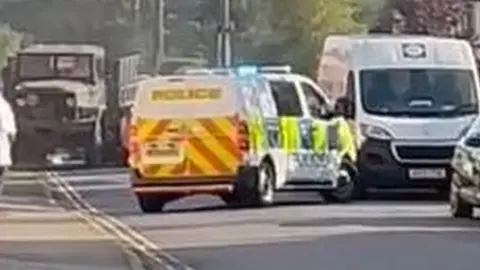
162	154
427	173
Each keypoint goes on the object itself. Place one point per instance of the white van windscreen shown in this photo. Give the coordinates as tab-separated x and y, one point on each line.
186	100
418	92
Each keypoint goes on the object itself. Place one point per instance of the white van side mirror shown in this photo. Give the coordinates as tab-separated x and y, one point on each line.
345	108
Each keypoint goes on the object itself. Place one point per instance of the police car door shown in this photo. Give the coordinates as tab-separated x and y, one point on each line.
317	107
294	129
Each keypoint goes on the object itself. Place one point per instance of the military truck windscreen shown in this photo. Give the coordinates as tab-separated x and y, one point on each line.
47	66
419	92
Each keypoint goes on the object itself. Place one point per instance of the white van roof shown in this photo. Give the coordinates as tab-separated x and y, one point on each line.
382	51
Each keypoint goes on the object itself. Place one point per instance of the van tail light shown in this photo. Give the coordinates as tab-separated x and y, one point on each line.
243	134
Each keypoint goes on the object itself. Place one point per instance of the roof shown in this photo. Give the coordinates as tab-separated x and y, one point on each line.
377	50
395	37
65	48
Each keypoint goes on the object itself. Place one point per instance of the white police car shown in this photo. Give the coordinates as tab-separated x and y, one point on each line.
465	185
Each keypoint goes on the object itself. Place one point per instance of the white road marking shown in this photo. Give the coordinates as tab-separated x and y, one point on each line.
108	223
288	214
261	226
101	187
269	233
122	178
25	207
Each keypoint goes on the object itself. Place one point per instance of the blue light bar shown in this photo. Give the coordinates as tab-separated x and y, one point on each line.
246	70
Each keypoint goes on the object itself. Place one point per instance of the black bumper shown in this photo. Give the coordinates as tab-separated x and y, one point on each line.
36	127
379	168
37	139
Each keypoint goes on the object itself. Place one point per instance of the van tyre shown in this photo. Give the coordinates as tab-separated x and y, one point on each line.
264	194
459	208
151	203
347	187
95	147
254	186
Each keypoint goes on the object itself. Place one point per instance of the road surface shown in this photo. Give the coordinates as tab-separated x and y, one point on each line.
370	235
38	235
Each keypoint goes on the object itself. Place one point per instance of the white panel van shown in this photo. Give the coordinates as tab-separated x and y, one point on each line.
409	99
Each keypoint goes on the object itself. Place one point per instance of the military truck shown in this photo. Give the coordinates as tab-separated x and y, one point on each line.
66	101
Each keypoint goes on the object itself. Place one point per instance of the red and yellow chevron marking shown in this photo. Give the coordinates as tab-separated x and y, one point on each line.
212	148
209	147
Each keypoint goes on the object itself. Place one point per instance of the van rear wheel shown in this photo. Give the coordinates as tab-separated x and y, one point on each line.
254	186
151	203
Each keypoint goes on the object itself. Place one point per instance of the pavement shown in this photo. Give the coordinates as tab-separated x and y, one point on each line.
38	235
299	232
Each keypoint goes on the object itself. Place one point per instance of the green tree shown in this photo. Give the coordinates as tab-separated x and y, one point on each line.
96	21
10	42
432	17
301	27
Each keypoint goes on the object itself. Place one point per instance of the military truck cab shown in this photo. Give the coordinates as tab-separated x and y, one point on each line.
58	93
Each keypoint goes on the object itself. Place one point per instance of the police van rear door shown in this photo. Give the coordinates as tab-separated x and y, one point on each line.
195	116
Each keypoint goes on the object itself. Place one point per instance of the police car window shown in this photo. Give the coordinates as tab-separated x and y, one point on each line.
286	98
266	101
315	102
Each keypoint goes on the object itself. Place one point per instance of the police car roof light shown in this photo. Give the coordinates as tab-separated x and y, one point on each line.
246	70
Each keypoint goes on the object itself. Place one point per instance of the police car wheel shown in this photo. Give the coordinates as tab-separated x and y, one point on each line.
151	203
346	189
266	184
459	208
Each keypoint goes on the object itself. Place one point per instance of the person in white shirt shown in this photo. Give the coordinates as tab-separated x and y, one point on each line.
8	131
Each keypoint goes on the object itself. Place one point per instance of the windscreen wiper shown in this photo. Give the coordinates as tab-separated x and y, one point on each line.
466	107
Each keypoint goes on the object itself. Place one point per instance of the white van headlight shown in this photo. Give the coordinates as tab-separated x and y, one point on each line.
375	132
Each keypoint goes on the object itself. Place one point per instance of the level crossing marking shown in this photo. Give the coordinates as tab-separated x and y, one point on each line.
106	223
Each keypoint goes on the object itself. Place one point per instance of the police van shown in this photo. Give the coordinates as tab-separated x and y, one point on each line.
409	98
241	134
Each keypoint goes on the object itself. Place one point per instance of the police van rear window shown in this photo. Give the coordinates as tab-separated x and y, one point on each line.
286	98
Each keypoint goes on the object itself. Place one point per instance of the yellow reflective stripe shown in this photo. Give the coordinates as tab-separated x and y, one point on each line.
257	134
283	134
320	140
289	134
260	134
346	139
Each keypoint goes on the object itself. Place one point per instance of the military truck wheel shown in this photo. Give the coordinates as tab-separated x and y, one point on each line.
151	203
459	208
346	189
95	148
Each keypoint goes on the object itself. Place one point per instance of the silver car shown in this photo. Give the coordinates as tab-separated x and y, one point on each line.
465	185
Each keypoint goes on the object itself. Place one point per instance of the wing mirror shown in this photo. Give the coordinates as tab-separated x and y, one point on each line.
345	108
